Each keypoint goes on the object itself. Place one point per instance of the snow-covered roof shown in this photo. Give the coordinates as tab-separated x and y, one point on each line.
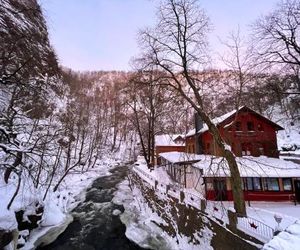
249	166
180	157
222	118
167	140
216	121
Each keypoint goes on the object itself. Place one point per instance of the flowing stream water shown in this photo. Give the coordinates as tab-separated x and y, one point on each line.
96	222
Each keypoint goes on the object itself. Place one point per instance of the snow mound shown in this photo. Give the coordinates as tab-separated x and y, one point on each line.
116	212
288	239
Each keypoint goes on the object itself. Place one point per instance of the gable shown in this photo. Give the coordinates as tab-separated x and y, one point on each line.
247	114
230	117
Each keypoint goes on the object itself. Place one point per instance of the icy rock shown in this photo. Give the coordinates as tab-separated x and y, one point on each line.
5	238
52	234
52	215
116	212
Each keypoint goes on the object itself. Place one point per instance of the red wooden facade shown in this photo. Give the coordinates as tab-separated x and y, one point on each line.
247	132
283	189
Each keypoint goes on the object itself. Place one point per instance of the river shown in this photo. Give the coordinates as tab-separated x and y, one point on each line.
96	222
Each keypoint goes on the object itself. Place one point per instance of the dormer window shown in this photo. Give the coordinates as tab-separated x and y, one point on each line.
238	126
250	126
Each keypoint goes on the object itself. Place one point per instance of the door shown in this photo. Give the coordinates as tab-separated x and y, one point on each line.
220	190
297	189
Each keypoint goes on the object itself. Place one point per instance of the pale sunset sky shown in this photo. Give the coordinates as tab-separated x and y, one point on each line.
102	34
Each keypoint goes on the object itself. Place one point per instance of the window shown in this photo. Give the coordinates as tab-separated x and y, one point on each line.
260	127
246	149
250	126
261	150
287	184
253	184
238	126
209	184
271	184
256	183
249	183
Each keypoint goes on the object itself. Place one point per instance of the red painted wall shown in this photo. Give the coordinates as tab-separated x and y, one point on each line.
257	142
256	196
164	149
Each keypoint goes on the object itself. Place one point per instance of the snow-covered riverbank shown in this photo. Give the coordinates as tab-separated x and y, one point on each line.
56	206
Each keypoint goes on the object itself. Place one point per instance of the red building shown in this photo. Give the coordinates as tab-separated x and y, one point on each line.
246	131
168	143
251	135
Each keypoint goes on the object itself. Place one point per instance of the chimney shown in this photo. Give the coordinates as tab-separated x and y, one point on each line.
198	122
198	126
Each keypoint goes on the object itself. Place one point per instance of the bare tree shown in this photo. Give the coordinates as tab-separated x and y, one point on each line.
277	43
145	100
177	46
239	59
276	37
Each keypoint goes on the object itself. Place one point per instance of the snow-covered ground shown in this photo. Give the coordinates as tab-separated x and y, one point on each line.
289	138
56	206
265	211
286	240
141	223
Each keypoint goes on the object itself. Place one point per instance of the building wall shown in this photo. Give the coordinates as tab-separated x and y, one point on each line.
261	195
190	144
261	140
165	149
194	179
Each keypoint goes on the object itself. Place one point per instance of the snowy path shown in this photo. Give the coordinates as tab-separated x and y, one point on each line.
96	222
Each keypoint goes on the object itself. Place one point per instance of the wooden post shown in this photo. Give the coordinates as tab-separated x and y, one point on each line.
203	205
181	196
184	167
167	188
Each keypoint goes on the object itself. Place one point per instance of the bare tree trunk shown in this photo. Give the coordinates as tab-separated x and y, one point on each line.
15	193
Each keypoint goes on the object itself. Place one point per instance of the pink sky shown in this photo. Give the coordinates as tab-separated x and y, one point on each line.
101	34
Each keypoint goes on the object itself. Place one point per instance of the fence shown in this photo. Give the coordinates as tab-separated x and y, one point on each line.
255	228
193	200
218	211
173	190
145	176
248	225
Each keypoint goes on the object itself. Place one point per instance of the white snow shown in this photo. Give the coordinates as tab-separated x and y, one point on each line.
52	215
116	212
261	211
177	157
249	166
56	205
158	173
290	136
215	121
141	222
168	140
288	239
